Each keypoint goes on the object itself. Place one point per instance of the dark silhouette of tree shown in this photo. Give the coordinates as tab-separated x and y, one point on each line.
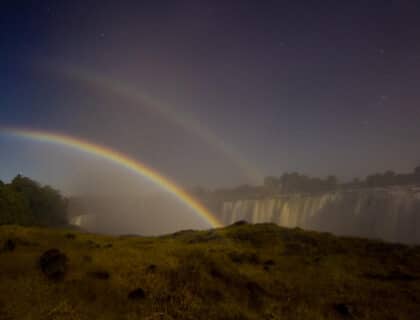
24	201
272	182
332	182
300	183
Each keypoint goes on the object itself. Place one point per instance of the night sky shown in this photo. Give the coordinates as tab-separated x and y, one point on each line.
214	93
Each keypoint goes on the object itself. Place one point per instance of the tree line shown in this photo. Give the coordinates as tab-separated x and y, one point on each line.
300	183
24	201
389	178
295	182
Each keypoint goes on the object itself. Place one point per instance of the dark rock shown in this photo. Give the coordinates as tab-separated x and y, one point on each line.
151	268
9	245
93	244
395	275
70	236
108	245
253	258
101	275
137	294
255	295
401	275
87	258
53	264
317	259
344	310
239	223
158	316
269	262
216	273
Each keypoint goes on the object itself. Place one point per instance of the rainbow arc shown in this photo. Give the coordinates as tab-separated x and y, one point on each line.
122	160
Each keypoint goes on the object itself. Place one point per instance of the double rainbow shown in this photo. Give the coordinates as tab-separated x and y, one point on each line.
182	119
122	160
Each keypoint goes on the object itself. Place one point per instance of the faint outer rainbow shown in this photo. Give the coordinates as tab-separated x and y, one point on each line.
121	160
182	119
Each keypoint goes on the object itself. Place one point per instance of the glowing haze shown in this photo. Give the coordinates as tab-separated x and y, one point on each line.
184	120
208	93
123	160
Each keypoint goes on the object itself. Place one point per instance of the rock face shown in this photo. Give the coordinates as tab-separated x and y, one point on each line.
391	214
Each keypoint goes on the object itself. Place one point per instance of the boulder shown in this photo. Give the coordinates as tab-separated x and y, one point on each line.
101	275
151	268
53	264
344	310
9	245
137	294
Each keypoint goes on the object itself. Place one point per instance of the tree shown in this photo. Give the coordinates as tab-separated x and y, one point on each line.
332	182
271	182
25	201
14	208
389	178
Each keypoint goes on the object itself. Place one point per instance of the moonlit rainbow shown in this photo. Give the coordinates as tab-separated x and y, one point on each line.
182	119
122	160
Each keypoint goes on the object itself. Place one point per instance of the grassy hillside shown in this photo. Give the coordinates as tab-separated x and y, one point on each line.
239	272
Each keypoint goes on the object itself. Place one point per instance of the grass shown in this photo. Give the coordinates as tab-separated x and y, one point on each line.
238	272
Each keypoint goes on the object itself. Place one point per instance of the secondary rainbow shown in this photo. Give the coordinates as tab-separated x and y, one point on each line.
121	160
182	119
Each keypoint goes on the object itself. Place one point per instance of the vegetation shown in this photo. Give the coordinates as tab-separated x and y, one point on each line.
295	182
300	183
239	272
24	201
390	178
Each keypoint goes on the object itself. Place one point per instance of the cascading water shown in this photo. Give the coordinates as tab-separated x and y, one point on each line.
392	214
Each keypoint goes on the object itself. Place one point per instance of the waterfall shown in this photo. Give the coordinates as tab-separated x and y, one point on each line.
82	220
391	214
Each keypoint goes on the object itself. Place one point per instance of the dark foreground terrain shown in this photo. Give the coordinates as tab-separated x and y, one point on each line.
239	272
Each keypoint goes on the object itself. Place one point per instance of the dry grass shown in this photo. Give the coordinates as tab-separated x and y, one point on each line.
239	272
